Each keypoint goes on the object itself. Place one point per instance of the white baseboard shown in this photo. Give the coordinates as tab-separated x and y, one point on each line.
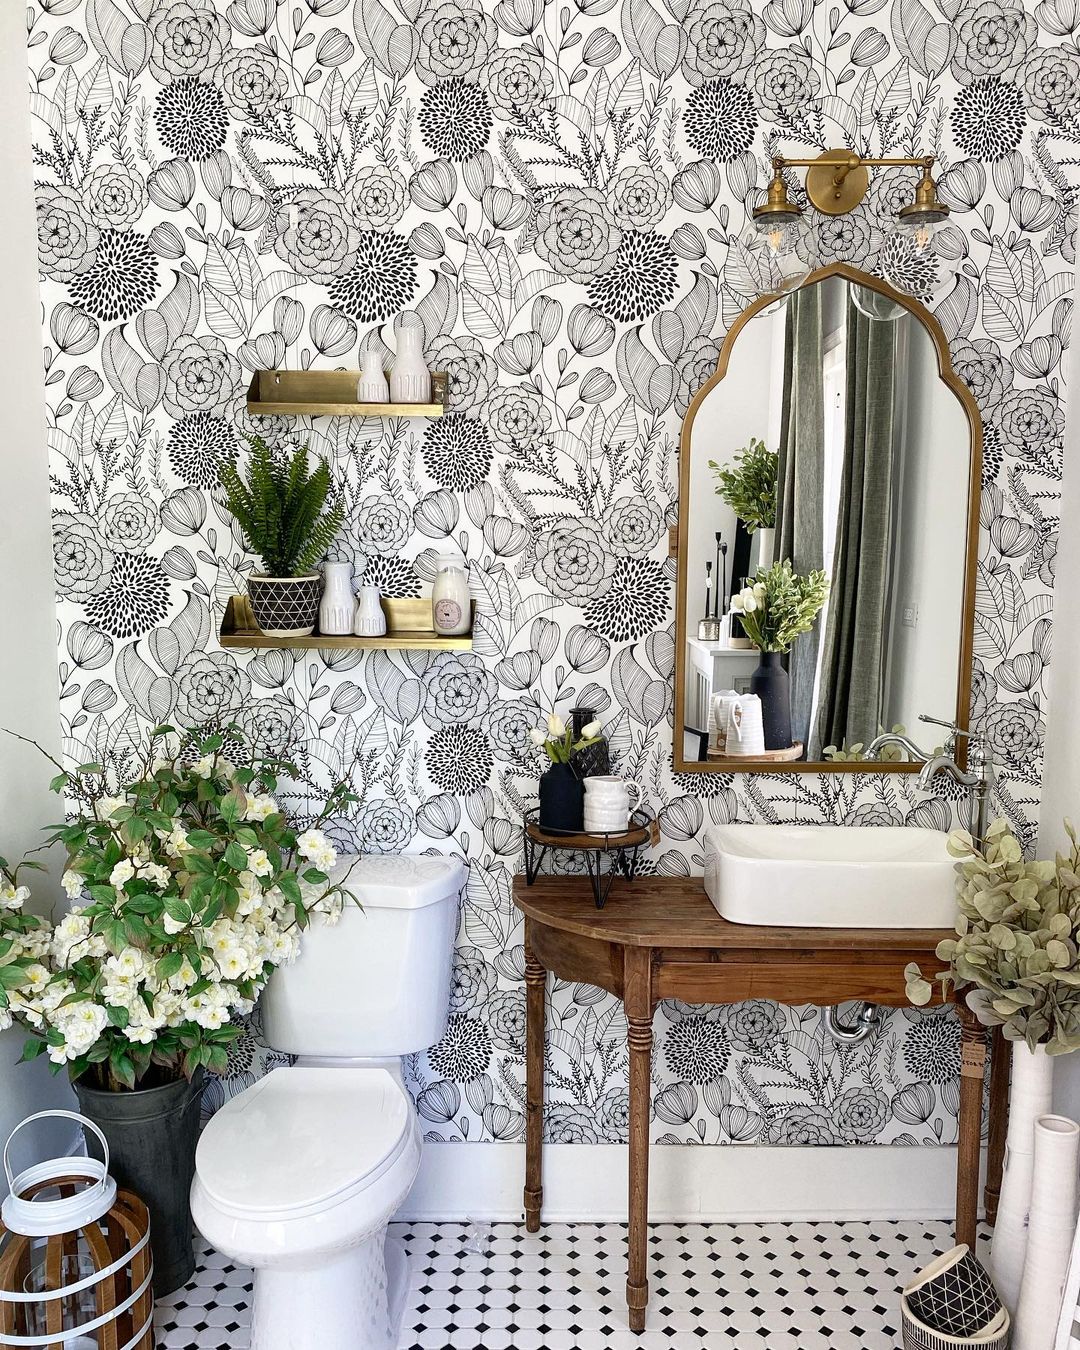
739	1183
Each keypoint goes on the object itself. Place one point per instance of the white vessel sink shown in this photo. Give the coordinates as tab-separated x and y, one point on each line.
830	876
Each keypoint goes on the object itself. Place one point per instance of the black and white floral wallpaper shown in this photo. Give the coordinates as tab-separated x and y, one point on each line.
559	190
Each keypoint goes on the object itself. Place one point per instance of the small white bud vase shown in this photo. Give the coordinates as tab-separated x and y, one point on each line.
369	620
372	386
410	379
451	613
338	604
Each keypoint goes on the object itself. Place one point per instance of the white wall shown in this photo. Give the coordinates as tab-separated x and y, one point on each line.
29	698
928	563
1061	769
739	407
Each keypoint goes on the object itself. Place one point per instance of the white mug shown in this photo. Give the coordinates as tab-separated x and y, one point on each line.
607	803
719	710
745	733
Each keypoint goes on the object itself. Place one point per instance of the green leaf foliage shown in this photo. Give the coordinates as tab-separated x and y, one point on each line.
288	514
1016	954
748	484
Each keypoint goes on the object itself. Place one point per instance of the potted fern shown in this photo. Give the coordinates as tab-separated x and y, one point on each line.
289	516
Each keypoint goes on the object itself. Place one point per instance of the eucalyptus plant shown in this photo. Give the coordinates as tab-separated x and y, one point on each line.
1015	954
748	485
289	514
780	605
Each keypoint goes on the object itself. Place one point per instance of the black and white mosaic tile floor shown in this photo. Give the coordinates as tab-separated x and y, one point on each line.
779	1286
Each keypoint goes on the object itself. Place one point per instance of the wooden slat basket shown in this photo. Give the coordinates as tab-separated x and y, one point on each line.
76	1271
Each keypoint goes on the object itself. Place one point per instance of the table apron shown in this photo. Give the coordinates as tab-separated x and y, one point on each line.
819	982
571	957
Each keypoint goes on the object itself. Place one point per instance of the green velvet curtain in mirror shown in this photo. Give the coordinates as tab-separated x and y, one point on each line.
849	693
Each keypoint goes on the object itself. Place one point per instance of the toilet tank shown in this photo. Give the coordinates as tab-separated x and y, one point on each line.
376	983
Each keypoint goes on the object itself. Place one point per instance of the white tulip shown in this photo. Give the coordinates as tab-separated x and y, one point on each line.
537	736
555	725
737	604
750	604
590	730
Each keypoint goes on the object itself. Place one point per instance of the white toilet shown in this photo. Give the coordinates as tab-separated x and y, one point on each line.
299	1175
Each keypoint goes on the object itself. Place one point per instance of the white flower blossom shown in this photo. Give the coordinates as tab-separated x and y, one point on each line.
105	806
121	873
176	845
260	807
13	897
72	884
259	863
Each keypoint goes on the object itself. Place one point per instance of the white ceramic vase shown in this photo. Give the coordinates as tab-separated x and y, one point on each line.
410	379
762	549
1051	1221
1029	1098
372	386
369	619
338	605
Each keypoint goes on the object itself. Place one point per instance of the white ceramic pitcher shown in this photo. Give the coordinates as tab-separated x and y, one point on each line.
745	732
607	803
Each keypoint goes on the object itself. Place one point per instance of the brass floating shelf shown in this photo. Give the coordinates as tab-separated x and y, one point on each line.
332	393
408	626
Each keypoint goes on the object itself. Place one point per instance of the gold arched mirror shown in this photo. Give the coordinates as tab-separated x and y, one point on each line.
834	437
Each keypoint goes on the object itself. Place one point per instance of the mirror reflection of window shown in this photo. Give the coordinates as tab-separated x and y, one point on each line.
872	486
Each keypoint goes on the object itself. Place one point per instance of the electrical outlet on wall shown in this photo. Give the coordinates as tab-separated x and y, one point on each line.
909	614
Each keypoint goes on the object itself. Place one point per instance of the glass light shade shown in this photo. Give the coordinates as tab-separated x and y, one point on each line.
875	305
918	258
778	254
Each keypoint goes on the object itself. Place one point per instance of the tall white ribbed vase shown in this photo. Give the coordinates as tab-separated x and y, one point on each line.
1051	1221
1029	1098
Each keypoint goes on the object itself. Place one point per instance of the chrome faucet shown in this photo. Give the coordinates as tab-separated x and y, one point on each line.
978	778
894	738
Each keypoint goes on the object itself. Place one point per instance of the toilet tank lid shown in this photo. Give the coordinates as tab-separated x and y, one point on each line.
400	881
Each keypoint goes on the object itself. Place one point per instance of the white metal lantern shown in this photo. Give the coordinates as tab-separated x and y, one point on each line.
75	1265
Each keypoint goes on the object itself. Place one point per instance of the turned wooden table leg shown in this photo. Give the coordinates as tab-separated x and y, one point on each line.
638	1002
999	1122
973	1046
535	984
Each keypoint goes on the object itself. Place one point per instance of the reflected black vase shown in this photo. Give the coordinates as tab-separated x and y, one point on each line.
562	800
771	684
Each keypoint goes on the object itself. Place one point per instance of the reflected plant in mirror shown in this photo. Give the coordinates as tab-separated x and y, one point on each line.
748	485
775	611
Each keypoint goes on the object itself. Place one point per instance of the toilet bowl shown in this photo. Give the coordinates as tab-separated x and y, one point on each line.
298	1177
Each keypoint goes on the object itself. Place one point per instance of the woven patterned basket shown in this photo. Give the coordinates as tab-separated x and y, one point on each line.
75	1266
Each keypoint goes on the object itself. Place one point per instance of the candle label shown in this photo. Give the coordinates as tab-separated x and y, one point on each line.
447	613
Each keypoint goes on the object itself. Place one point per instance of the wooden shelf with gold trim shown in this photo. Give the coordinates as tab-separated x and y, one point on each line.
332	393
408	627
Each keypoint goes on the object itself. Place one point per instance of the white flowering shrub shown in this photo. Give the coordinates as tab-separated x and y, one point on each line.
189	888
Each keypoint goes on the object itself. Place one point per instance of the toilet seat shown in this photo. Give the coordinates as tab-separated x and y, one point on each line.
303	1140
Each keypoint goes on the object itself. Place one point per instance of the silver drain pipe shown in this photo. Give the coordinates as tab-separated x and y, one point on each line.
868	1018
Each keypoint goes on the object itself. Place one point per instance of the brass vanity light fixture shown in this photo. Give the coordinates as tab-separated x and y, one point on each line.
838	180
836	183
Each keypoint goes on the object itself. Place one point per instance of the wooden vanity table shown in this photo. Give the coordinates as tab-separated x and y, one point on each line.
661	938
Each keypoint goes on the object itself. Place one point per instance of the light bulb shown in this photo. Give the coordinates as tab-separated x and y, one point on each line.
775	255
